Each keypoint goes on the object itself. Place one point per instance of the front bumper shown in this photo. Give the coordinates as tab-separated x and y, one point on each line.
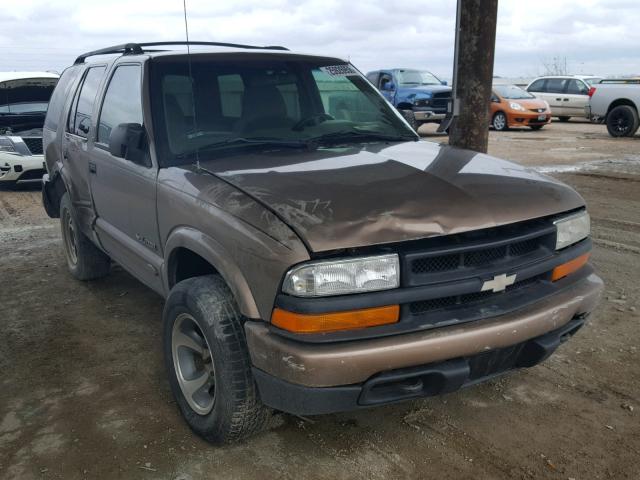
288	371
525	119
428	115
21	169
410	383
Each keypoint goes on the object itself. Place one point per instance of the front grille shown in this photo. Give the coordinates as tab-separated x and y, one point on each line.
537	110
34	144
446	95
468	299
481	255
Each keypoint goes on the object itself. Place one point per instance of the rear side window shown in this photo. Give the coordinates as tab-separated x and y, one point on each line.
122	102
80	118
556	85
58	98
537	86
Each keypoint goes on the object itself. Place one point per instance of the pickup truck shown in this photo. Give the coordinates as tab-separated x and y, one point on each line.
419	95
616	103
314	254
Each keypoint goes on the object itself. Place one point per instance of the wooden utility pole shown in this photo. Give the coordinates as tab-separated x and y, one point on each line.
473	73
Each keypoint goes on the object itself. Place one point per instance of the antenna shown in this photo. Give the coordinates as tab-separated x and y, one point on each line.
193	97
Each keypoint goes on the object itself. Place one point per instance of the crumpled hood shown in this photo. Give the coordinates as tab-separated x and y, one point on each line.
350	197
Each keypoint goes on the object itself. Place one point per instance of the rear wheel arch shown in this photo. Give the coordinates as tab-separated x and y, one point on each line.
622	101
190	253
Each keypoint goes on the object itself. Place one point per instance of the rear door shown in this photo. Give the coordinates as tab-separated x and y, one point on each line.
75	156
576	98
124	192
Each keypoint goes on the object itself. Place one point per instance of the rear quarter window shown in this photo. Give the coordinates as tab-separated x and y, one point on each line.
60	94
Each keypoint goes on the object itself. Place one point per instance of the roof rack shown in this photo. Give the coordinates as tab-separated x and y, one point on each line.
136	48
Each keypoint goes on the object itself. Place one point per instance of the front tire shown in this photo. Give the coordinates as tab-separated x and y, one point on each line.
499	122
208	362
622	121
564	119
410	117
536	127
84	259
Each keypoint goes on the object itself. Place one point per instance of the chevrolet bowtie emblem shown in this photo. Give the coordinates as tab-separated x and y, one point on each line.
499	283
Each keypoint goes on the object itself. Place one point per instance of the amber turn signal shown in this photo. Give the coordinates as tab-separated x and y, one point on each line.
332	322
571	266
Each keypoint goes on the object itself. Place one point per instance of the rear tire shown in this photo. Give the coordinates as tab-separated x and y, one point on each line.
499	122
204	342
536	127
410	117
84	259
564	119
622	121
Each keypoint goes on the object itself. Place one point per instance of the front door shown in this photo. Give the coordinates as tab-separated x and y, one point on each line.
123	191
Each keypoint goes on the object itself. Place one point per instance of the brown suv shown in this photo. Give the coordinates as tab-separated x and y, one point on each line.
315	255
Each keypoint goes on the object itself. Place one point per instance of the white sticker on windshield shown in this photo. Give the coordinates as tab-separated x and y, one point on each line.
339	70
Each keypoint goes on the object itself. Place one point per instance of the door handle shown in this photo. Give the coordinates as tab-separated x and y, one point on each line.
92	168
558	99
566	99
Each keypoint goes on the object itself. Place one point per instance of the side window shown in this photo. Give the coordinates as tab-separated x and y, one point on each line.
556	85
384	79
80	118
577	87
60	94
231	90
537	86
122	101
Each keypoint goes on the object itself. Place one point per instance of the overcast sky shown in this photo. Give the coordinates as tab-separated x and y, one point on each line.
595	36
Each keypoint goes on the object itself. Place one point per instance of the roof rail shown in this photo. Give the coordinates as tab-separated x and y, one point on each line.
136	48
620	80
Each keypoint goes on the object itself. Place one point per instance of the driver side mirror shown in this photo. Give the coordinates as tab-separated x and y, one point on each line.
443	82
389	86
129	141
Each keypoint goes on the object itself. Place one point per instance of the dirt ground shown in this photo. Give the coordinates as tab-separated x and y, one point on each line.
83	392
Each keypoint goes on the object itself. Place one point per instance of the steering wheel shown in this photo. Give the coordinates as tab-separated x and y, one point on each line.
312	121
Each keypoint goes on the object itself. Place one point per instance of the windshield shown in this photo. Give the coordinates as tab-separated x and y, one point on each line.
26	96
511	92
264	102
416	77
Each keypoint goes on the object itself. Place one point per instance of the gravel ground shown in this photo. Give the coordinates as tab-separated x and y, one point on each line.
83	392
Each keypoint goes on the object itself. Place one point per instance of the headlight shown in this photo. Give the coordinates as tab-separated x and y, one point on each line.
516	106
6	145
358	275
572	229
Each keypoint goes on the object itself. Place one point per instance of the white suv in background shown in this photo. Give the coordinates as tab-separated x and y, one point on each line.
24	98
567	95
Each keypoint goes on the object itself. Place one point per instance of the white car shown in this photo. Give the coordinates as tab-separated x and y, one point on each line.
567	95
24	97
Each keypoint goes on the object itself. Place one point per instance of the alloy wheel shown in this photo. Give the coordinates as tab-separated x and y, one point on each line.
193	364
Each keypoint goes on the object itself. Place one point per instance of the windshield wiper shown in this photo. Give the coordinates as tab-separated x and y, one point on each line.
361	135
251	141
